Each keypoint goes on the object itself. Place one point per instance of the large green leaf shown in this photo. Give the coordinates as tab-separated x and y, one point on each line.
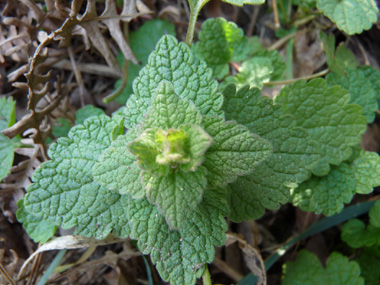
308	270
360	88
294	153
180	256
351	16
38	229
64	191
327	115
234	150
176	194
328	194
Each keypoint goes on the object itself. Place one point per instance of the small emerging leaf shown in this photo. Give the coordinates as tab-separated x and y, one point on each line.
220	42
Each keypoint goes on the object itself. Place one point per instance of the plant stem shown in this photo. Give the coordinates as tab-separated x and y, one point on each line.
206	278
195	8
308	77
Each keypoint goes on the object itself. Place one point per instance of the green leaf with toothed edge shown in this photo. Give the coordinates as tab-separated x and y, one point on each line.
176	194
38	229
351	16
356	234
326	114
356	82
64	191
180	255
117	169
234	151
220	42
173	62
328	194
294	154
307	269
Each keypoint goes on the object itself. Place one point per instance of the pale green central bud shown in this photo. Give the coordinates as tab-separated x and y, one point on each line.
161	151
172	145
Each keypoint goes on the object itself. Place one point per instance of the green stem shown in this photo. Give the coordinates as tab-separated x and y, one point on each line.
195	8
206	278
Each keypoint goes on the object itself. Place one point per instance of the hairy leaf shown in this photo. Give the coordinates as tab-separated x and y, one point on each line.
86	112
168	110
327	115
117	168
38	229
220	42
176	194
360	88
64	191
351	16
294	153
174	62
308	270
234	150
180	256
327	194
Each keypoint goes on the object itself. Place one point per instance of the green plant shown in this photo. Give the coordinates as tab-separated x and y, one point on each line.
186	152
364	242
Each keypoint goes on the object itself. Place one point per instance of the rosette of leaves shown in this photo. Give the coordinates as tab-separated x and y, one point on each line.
163	182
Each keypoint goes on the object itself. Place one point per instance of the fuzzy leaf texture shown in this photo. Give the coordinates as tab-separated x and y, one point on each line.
180	256
325	112
220	42
38	229
351	16
356	234
174	62
173	150
308	270
64	191
294	154
328	194
234	151
142	42
356	82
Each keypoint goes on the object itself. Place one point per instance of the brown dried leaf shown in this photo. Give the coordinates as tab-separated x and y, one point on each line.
251	256
68	242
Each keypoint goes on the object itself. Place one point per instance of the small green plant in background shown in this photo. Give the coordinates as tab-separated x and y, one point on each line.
187	152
